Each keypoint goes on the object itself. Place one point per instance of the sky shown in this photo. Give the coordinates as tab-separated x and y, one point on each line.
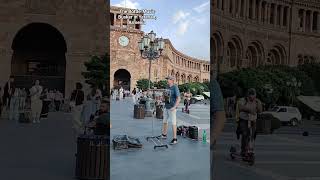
185	22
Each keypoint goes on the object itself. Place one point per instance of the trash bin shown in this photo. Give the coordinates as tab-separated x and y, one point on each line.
138	111
91	157
159	112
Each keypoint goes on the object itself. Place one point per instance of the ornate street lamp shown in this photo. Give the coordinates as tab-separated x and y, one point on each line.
150	48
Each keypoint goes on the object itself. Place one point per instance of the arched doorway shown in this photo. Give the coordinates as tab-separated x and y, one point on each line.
39	53
122	78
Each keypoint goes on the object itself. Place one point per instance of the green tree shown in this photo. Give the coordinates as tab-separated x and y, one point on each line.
143	84
313	71
97	71
161	84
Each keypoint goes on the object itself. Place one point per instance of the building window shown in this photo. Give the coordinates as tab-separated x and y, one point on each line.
285	16
301	18
272	15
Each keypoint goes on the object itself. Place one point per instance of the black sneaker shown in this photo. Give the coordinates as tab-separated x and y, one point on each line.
174	141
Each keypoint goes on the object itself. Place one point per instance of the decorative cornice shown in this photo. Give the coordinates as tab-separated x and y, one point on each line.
168	42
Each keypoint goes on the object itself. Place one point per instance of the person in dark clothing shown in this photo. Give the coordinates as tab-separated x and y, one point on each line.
249	108
46	102
8	91
101	124
77	95
1	103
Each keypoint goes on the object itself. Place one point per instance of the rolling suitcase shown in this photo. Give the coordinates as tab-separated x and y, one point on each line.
91	157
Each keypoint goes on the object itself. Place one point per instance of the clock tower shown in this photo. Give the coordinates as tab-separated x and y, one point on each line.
125	33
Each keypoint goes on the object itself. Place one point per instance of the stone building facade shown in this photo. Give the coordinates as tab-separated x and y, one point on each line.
249	33
127	66
50	40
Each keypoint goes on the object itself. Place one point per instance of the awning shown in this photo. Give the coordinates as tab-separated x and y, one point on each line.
311	101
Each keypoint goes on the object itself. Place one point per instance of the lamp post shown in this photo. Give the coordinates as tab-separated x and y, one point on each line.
150	48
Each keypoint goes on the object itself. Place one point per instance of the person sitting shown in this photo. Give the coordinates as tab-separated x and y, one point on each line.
101	124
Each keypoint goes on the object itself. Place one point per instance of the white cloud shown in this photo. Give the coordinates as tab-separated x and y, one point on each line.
179	15
200	20
202	7
183	27
128	4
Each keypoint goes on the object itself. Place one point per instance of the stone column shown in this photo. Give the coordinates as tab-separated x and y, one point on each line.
260	11
121	21
234	8
304	21
266	13
246	8
239	7
253	10
226	6
281	15
311	21
275	15
220	4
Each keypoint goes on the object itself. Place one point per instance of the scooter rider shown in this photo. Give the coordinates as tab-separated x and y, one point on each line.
187	99
248	108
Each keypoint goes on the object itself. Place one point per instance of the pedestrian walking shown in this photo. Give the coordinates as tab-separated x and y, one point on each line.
36	102
46	101
7	92
120	93
14	104
23	97
77	98
58	98
134	92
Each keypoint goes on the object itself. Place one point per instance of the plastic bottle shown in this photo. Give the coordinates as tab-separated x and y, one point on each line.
204	137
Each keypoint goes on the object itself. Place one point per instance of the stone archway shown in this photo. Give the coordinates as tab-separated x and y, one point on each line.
216	47
254	54
196	79
189	79
183	78
177	77
277	55
122	78
39	54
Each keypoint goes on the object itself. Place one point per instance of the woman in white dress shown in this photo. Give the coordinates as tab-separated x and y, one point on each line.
121	93
134	92
36	102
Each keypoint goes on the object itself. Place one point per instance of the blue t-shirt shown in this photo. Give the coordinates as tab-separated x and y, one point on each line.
216	97
171	95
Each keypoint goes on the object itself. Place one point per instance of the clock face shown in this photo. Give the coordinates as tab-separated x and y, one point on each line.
123	41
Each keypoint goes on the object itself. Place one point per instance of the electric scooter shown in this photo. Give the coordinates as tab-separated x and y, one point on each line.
186	107
249	155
